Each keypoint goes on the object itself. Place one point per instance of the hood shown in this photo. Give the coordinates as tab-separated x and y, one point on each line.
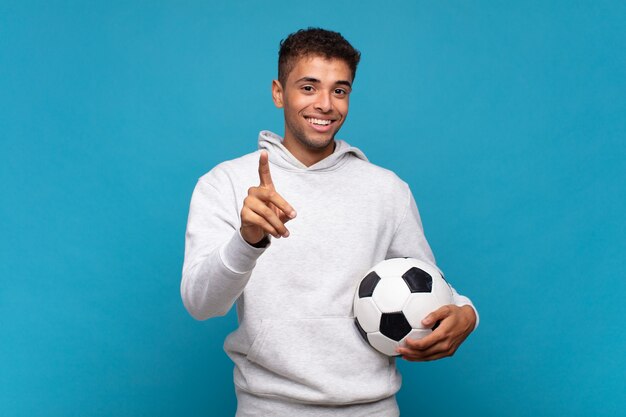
279	155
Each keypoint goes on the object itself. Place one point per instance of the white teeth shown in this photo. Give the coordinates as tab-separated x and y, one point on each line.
318	121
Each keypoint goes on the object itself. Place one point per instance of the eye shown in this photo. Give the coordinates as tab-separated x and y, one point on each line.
307	88
340	92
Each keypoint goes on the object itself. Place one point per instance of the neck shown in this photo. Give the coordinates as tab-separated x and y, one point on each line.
308	156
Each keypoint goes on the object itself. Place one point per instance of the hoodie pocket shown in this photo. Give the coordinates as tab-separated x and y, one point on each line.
318	360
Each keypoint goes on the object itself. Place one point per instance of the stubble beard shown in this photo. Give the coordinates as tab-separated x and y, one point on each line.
311	144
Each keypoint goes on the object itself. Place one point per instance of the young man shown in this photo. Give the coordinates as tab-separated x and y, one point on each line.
331	216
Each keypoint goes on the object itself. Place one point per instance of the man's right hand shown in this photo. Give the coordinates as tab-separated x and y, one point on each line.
264	210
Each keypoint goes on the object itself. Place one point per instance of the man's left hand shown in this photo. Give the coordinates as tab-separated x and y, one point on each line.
456	323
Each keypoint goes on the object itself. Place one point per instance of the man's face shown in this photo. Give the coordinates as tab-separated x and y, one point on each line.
315	100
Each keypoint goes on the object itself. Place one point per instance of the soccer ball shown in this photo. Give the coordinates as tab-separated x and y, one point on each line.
392	300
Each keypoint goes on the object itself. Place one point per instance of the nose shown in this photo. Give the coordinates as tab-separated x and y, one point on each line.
323	103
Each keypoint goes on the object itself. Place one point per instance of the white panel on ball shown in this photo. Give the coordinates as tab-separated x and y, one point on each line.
415	334
393	267
418	307
391	294
383	344
368	314
442	291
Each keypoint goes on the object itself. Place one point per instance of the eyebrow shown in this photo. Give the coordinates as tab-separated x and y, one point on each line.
315	80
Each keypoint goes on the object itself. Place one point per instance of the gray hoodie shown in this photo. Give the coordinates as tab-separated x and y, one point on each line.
296	339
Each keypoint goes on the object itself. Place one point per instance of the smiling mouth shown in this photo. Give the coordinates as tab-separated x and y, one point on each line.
318	122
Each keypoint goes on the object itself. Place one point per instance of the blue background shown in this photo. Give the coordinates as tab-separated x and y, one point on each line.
506	118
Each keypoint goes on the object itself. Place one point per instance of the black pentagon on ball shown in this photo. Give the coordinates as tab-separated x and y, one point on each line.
366	288
394	325
362	332
418	280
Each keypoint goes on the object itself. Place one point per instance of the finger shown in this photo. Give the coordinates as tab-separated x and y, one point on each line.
272	197
422	358
283	217
424	343
253	219
264	170
439	346
269	216
439	350
411	355
437	315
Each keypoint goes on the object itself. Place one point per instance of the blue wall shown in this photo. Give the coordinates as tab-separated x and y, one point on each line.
507	120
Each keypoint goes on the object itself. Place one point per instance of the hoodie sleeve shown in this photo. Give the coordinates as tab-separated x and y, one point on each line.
409	240
218	261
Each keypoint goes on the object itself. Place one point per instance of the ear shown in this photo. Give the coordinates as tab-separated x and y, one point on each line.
277	93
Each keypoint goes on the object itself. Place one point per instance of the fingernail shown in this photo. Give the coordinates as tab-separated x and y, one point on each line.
426	321
292	214
286	234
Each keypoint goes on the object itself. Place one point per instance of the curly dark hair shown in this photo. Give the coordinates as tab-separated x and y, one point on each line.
314	41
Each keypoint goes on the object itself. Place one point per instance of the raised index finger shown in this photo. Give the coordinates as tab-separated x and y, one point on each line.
264	170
